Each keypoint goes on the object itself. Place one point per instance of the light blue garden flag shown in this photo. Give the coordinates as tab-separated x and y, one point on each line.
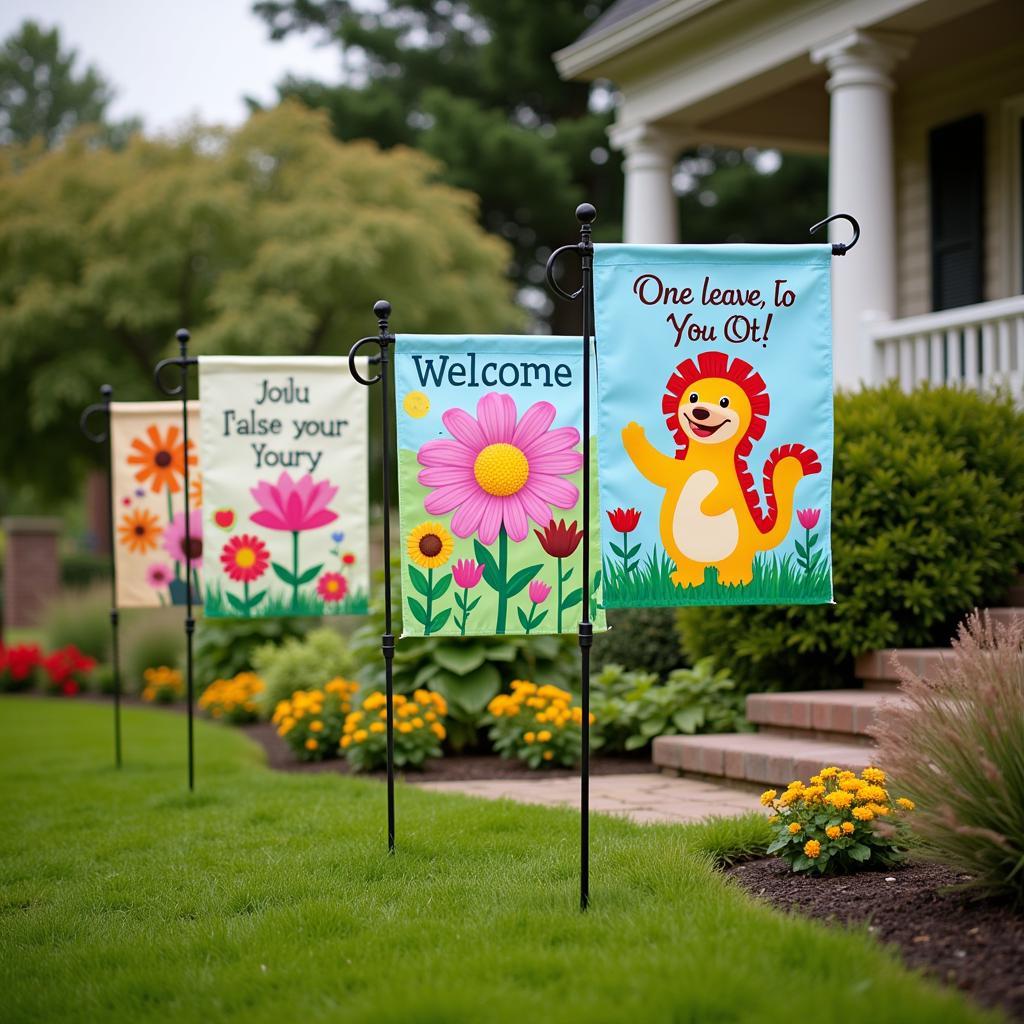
490	471
715	423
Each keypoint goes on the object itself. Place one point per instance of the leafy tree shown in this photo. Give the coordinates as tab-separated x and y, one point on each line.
276	239
472	83
42	95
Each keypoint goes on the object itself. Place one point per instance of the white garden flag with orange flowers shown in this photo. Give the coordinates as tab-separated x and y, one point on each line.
285	462
147	454
490	466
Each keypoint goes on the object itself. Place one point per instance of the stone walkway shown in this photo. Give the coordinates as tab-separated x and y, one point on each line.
643	798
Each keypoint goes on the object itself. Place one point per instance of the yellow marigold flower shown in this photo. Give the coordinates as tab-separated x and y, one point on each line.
879	809
851	784
815	780
398	699
872	794
417	722
316	726
795	784
847	827
828	773
430	716
311	744
548	755
812	848
438	730
529	737
543	736
404	727
360	735
907	805
811	793
839	799
346	741
375	701
788	797
377	727
794	827
863	813
833	831
873	774
768	796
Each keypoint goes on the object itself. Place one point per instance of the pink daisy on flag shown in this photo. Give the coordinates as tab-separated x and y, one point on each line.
500	471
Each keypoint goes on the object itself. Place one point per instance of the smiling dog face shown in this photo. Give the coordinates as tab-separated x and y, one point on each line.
714	410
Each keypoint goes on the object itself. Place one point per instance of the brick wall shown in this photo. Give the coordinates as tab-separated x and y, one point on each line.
31	568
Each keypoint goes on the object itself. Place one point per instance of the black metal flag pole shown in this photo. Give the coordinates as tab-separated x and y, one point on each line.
382	310
104	437
184	362
585	214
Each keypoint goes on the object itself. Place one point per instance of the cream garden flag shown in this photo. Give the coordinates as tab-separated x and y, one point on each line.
285	513
147	452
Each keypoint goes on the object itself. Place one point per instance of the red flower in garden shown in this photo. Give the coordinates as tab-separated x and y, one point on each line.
808	517
559	540
19	663
332	586
245	558
624	520
65	668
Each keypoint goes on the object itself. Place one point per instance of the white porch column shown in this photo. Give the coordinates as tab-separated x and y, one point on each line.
862	183
650	207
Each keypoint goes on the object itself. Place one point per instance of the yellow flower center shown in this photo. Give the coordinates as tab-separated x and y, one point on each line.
501	469
244	557
332	585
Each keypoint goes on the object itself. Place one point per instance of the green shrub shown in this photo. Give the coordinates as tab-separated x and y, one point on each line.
468	672
305	663
225	647
83	568
955	745
82	618
631	708
644	639
150	638
927	522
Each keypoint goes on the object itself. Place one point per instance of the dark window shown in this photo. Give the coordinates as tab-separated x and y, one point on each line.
956	161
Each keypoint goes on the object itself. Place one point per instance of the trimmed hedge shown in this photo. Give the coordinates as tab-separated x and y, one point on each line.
927	523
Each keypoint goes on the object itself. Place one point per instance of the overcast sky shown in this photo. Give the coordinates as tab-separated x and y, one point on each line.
170	61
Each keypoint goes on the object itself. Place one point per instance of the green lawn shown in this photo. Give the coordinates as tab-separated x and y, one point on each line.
268	897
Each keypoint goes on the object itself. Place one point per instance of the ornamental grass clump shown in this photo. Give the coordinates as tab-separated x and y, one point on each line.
537	724
956	744
310	721
233	700
840	822
418	730
163	685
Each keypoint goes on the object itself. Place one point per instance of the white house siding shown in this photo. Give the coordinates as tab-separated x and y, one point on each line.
979	86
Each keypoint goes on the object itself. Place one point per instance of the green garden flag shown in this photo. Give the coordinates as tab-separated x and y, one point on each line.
490	470
285	487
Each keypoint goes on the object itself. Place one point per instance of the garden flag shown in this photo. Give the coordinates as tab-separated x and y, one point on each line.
285	512
147	454
490	468
715	382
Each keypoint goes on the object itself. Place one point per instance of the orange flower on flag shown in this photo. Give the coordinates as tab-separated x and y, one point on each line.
162	459
195	491
139	530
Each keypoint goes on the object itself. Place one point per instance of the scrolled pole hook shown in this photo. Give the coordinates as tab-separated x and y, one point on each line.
840	248
90	410
172	391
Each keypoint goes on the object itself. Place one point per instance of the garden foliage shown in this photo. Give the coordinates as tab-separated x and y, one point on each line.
225	647
633	707
150	638
644	639
928	522
840	822
82	618
955	742
537	724
300	664
418	730
311	720
163	685
233	700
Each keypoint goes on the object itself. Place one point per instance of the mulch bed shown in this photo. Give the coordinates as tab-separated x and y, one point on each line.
976	945
454	768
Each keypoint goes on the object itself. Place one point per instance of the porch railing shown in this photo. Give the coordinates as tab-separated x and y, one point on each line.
979	347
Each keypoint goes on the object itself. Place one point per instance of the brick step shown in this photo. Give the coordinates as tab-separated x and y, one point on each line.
1007	615
839	716
755	757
